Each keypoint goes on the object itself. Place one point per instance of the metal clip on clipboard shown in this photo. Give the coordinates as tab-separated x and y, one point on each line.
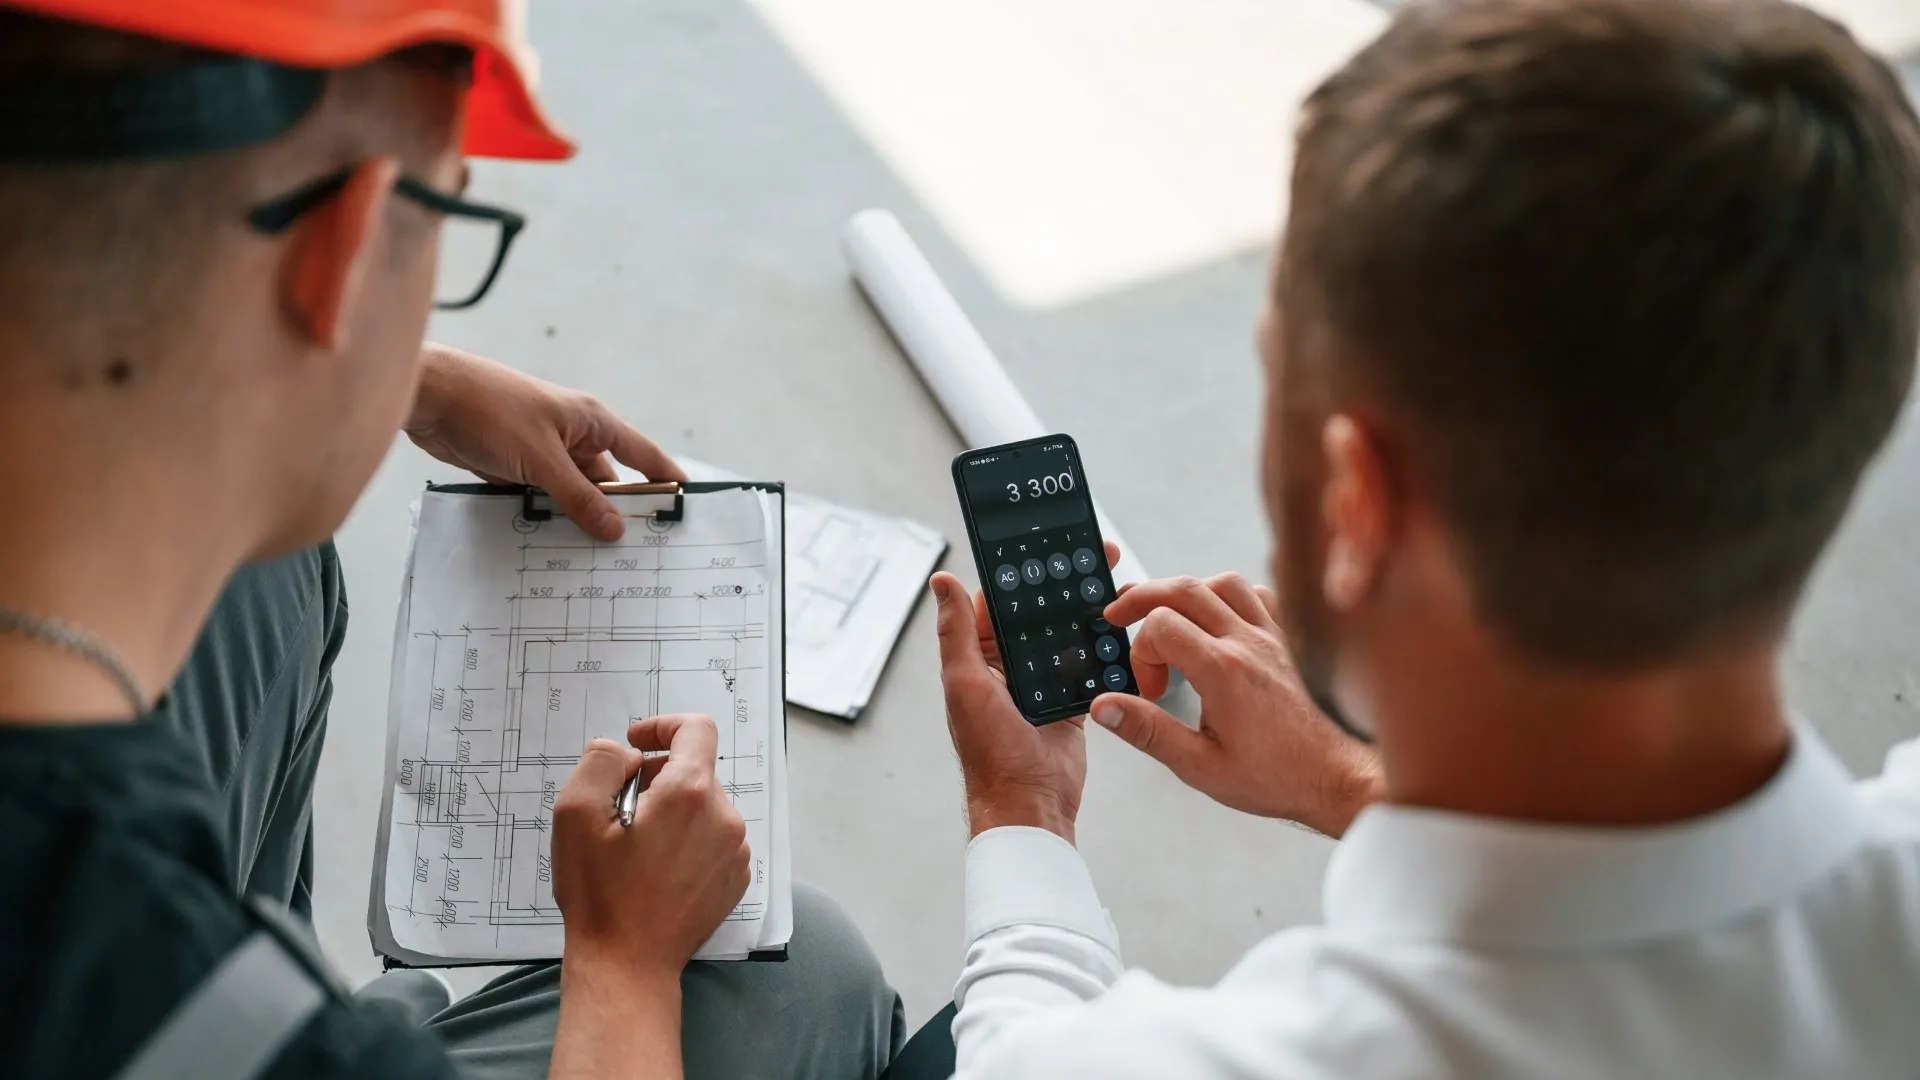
531	510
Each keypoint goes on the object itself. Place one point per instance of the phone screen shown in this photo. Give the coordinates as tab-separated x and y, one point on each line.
1044	569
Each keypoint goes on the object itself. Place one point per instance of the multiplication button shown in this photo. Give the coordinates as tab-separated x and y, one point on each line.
1091	590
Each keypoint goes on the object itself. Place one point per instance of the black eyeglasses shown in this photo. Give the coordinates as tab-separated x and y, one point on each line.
473	245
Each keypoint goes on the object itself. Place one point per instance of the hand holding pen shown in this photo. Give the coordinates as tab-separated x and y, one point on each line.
647	884
625	803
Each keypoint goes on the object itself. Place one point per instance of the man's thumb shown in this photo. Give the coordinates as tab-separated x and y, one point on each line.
603	769
1151	729
582	500
959	635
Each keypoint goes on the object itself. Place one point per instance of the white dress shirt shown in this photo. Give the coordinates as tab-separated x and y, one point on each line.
1777	938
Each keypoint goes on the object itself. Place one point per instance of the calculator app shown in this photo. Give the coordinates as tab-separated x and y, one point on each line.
1045	574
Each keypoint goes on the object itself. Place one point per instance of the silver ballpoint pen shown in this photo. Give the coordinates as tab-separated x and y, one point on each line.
625	803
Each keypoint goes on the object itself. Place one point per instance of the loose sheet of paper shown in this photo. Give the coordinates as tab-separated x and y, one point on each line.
852	580
520	641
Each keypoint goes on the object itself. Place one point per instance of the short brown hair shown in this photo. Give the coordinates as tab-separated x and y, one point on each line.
1635	282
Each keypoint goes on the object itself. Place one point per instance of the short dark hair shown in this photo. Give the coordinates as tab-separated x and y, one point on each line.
1634	282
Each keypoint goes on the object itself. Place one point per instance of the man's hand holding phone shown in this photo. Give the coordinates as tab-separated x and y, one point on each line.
1014	772
1262	746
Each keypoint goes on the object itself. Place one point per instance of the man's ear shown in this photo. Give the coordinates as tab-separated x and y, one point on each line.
1357	510
331	250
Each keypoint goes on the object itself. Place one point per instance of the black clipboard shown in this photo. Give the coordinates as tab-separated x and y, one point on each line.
671	505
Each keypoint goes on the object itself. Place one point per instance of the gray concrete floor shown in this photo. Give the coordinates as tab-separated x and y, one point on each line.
685	269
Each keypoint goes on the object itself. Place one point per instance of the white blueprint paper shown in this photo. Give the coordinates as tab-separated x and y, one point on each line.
518	642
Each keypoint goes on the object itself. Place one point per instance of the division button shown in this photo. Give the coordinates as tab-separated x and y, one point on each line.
1084	561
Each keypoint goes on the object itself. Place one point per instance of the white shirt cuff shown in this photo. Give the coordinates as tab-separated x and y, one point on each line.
1023	876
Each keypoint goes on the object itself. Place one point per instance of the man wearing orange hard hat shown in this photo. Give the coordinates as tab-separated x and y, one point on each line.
218	226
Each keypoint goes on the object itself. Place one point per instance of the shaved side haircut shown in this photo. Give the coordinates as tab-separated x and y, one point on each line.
96	257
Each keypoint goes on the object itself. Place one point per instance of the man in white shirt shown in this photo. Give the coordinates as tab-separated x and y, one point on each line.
1588	316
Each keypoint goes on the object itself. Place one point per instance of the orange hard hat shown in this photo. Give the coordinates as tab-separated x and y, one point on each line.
503	119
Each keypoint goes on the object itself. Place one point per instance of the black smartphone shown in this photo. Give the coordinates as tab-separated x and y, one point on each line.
1043	566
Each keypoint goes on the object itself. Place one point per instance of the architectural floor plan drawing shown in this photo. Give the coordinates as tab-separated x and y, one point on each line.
841	557
852	581
519	642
